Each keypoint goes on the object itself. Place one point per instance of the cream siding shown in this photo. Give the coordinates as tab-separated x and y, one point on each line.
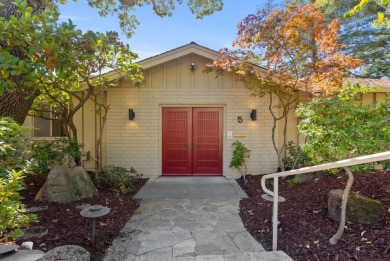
138	143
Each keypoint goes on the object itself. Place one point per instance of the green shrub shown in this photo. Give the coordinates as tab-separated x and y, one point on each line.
12	167
367	167
292	182
118	178
240	155
13	215
296	157
46	154
385	164
12	146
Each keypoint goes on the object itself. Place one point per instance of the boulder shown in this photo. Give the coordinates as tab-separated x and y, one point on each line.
66	184
68	253
360	209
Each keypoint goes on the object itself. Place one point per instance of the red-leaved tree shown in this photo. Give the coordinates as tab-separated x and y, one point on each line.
286	52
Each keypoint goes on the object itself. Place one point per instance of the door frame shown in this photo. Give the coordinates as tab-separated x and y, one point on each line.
222	106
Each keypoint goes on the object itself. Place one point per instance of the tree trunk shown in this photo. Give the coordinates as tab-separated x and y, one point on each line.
344	202
98	151
16	101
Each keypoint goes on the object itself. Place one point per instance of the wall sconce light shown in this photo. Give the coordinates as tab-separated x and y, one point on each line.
192	66
131	114
253	115
239	119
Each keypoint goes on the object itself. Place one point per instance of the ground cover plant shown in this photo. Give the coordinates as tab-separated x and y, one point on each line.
305	227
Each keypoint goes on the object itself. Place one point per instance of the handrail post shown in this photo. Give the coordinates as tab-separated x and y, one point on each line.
275	215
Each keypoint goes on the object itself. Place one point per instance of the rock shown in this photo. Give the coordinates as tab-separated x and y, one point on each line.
65	184
68	253
26	246
360	209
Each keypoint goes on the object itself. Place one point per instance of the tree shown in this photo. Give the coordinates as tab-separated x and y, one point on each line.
341	127
25	25
24	33
363	39
68	84
301	53
383	15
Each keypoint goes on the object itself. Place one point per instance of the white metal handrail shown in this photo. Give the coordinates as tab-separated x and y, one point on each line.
338	164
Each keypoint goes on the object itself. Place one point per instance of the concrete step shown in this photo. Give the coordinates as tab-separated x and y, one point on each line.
248	256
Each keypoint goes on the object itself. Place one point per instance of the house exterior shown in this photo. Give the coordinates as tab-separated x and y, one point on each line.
183	121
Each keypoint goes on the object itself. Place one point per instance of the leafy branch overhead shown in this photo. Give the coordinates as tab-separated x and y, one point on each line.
29	40
125	10
283	52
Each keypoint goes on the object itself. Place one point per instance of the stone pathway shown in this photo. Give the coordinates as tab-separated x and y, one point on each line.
188	229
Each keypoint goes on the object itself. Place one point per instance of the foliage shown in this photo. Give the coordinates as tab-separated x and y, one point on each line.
60	70
382	16
240	154
296	157
301	52
12	152
47	154
363	39
341	127
125	9
31	65
385	164
12	213
119	178
12	146
368	167
76	56
28	33
294	181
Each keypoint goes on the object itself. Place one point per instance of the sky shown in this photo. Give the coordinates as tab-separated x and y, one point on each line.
156	35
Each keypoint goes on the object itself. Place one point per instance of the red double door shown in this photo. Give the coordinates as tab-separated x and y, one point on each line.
192	141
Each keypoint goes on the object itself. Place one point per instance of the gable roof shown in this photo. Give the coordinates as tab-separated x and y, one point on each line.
194	48
191	48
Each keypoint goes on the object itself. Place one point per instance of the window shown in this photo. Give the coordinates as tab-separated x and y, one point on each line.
47	128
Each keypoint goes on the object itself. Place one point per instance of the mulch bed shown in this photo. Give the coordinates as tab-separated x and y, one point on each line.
305	227
66	226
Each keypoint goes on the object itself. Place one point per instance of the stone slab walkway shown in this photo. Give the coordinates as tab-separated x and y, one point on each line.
191	187
188	229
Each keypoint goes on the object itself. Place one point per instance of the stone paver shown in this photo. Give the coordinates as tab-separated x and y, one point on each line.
188	229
